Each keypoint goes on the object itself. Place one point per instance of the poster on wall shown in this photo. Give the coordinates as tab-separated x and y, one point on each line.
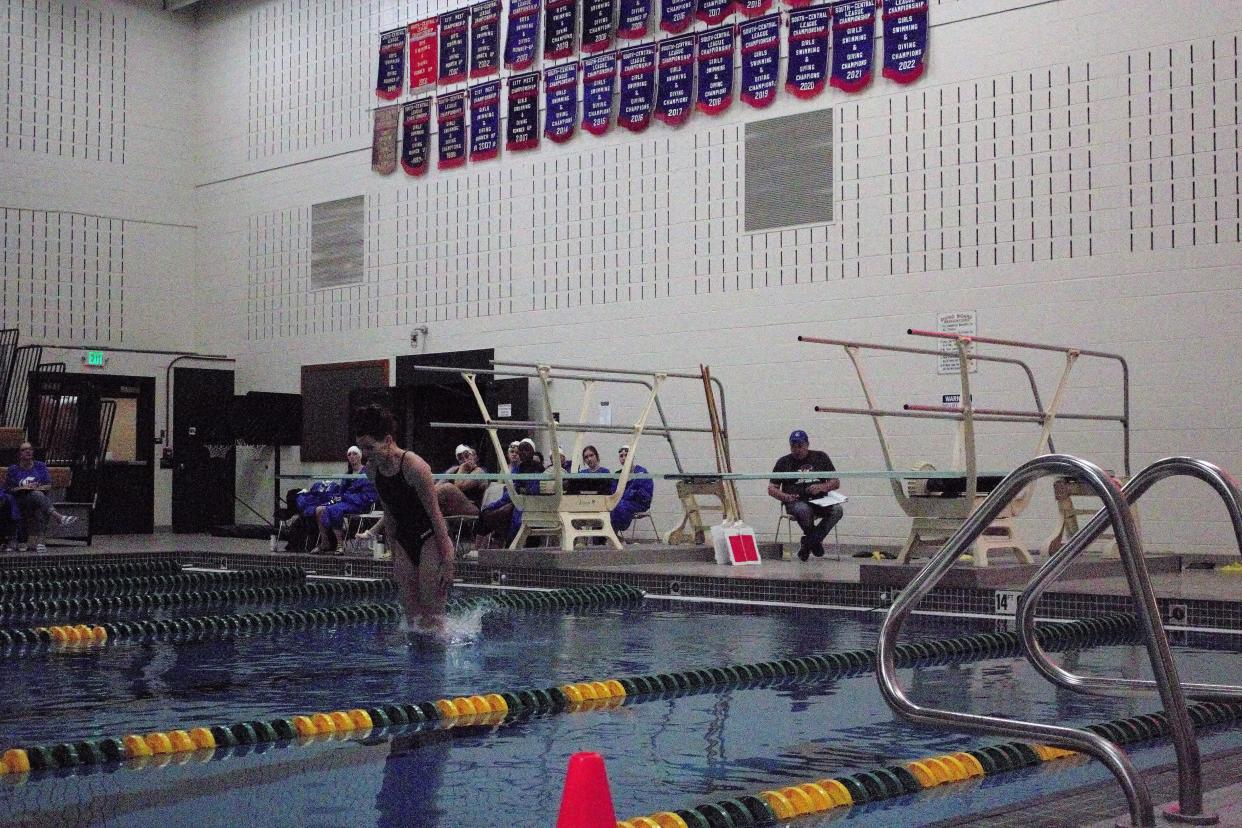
454	44
522	132
853	26
523	35
675	83
956	322
597	25
808	51
485	38
451	118
676	15
637	87
633	19
485	120
715	58
424	66
384	139
415	136
561	102
761	53
905	40
712	12
391	64
560	26
599	83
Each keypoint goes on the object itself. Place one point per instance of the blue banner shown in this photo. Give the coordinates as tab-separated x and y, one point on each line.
522	131
853	26
808	51
485	120
454	44
675	85
599	84
391	76
638	64
485	38
676	15
905	40
560	85
523	35
415	135
761	59
451	116
715	57
712	12
632	23
597	25
559	28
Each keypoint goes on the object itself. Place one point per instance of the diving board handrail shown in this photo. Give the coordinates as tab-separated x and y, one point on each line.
1129	544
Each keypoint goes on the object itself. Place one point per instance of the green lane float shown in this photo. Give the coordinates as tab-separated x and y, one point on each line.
150	584
81	571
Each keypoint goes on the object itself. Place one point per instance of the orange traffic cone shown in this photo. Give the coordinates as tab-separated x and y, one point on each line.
586	801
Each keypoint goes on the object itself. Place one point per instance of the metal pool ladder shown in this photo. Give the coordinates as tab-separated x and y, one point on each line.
1172	693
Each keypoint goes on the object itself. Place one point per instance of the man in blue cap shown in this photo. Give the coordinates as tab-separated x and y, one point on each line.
797	494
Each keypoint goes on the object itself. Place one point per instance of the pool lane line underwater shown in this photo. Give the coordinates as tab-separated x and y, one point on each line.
31	640
504	708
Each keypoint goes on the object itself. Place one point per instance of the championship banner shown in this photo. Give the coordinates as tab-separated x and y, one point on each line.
451	115
391	64
415	135
384	139
560	84
485	120
853	23
523	35
754	8
632	22
715	57
485	38
676	15
712	12
423	62
797	4
808	51
675	84
761	54
597	25
599	83
637	87
905	40
559	27
454	43
522	132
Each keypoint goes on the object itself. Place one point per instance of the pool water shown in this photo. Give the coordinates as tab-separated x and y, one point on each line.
661	754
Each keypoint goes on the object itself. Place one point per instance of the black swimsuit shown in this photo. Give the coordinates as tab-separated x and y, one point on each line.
404	506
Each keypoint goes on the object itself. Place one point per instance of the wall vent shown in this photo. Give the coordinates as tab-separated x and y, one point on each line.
789	171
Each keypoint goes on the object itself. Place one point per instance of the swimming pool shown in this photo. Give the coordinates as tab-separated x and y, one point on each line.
662	753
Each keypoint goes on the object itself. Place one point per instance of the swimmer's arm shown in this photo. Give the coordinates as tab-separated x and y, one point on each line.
418	474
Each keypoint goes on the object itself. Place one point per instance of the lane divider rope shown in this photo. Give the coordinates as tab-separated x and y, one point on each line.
88	587
94	570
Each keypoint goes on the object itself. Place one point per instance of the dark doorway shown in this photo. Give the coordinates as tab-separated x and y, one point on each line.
202	484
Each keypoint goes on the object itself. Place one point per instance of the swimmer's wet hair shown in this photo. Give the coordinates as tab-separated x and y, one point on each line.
374	421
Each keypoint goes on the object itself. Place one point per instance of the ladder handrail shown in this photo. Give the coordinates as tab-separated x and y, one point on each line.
1138	796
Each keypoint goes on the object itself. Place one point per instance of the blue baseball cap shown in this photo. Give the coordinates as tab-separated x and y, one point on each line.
798	436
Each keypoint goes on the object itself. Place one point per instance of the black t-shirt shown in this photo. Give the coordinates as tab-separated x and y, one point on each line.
816	461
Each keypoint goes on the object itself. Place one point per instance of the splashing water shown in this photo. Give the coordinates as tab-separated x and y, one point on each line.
458	630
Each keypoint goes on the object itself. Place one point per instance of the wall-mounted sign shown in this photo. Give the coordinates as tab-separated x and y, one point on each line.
956	322
94	359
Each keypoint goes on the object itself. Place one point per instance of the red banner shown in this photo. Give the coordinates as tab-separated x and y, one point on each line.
423	63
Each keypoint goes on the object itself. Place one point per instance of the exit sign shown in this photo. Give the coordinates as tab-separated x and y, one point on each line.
94	359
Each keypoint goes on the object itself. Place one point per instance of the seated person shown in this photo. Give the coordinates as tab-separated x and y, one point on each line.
27	483
353	497
590	462
565	464
797	494
462	497
512	454
500	517
636	498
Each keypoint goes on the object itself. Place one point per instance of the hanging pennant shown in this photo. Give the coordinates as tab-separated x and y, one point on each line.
523	128
712	12
415	135
761	52
637	87
753	8
559	29
676	80
451	118
715	57
391	64
808	51
485	38
905	40
797	4
676	15
560	85
454	43
523	34
853	22
597	25
485	120
384	139
599	83
632	20
423	64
